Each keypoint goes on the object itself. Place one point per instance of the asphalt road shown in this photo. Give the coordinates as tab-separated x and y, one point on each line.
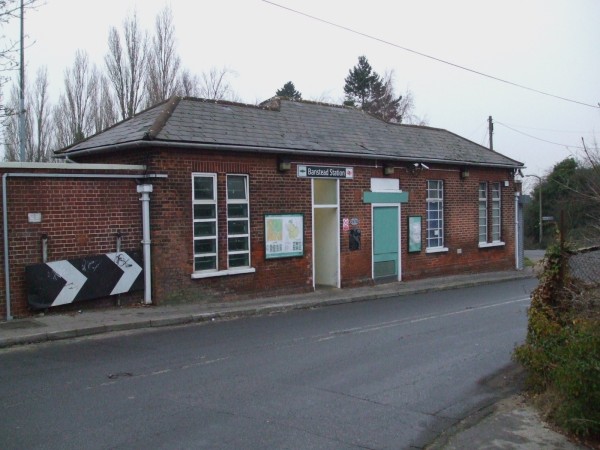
381	374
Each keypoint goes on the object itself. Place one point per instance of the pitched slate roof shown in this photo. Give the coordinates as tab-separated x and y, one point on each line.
285	126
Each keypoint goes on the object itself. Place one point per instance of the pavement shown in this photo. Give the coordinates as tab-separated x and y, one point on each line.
508	424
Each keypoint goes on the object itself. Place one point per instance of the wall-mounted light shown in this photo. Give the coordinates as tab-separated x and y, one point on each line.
414	168
388	170
517	175
464	173
283	164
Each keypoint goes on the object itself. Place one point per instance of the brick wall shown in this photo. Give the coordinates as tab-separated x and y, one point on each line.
172	230
461	217
80	216
275	192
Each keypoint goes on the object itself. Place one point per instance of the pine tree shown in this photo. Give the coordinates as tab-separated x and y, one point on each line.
289	91
383	103
359	83
372	93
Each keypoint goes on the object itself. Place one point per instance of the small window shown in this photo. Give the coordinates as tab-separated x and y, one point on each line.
483	212
205	221
490	215
496	212
238	222
435	214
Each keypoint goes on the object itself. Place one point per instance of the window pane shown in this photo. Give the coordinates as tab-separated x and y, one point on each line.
325	192
238	243
204	211
237	227
435	213
237	210
205	263
205	246
202	229
434	242
434	190
203	188
482	190
239	260
236	187
496	190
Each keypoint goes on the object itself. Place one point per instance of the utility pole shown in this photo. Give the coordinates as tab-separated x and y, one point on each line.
491	132
22	93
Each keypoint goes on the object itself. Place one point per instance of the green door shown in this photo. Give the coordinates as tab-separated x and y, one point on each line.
385	241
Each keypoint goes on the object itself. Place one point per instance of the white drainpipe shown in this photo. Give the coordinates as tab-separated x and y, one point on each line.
145	190
6	260
518	265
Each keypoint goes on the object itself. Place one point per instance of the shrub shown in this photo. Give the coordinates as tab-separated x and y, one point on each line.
562	350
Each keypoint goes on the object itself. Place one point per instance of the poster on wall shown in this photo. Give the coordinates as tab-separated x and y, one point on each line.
284	235
414	234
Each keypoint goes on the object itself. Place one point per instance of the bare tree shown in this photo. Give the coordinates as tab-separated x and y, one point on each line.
11	129
375	94
407	110
9	48
62	132
163	61
214	85
404	110
106	111
126	66
76	105
382	101
189	85
40	118
591	173
37	123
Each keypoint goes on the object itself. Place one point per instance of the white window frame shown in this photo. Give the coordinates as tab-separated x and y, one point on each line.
215	272
439	199
214	220
496	207
245	201
493	230
483	212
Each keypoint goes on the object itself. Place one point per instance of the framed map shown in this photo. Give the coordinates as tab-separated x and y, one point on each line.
284	235
414	234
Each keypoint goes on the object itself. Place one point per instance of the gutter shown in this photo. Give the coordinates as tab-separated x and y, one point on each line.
272	150
54	175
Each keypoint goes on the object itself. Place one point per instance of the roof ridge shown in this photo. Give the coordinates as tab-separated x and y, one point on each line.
162	118
224	102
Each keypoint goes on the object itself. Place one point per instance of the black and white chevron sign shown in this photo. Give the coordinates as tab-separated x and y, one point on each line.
62	282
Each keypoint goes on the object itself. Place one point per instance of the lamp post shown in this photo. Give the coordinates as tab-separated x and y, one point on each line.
540	190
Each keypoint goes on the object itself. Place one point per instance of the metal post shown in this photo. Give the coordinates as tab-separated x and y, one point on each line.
22	93
541	224
491	132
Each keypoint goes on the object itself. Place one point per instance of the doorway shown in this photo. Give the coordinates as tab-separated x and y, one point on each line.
386	248
326	238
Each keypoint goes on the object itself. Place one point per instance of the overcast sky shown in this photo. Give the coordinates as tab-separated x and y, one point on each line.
548	45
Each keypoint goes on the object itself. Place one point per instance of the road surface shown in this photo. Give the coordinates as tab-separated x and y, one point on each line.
382	374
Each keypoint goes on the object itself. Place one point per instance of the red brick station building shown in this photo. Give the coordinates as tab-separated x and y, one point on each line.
233	201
